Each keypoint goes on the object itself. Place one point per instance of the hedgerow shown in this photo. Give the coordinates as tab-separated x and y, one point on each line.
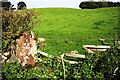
101	66
14	23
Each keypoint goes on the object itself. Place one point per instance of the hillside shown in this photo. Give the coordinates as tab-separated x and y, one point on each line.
67	29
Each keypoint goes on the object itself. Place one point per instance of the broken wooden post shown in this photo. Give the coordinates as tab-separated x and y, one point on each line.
62	58
91	48
26	48
71	62
73	54
45	54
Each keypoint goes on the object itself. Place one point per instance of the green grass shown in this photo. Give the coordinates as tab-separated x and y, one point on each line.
67	29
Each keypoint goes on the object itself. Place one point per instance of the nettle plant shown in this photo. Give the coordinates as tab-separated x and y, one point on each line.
14	23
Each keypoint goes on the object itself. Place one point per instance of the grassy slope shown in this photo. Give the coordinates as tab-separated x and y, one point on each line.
68	29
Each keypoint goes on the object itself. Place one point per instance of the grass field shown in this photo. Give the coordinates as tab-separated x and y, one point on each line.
67	29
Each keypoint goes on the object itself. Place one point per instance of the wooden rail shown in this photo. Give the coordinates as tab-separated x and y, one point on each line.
91	48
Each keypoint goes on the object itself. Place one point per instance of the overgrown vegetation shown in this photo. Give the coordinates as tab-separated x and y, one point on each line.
101	66
13	24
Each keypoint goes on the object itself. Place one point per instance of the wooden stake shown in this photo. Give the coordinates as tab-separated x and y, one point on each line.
75	55
71	62
45	54
63	64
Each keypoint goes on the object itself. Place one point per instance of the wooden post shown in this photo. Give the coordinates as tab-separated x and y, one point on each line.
26	48
90	48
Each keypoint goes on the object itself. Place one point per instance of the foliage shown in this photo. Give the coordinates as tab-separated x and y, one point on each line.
5	5
99	4
101	66
14	23
107	63
21	5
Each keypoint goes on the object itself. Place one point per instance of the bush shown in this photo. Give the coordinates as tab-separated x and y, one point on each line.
101	66
14	23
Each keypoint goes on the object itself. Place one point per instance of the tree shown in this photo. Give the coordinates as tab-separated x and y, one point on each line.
91	5
21	5
83	5
5	5
88	5
104	4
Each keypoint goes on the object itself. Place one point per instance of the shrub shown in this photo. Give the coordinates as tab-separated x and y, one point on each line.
106	63
14	23
101	66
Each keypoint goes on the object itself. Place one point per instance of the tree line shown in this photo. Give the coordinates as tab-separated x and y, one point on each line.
8	5
93	5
